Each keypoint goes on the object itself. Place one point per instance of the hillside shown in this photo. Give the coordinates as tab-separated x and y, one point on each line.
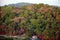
35	19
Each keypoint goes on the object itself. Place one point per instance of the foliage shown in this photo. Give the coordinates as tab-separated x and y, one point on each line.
38	21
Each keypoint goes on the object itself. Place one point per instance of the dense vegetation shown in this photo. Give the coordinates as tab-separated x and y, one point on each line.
36	19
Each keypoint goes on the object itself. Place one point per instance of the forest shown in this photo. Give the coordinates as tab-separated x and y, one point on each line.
36	19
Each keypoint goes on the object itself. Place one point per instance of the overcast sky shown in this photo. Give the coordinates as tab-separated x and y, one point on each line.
50	2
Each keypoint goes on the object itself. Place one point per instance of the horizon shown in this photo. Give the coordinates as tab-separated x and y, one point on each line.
49	2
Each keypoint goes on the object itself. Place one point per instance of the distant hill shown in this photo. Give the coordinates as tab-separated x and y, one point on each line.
20	4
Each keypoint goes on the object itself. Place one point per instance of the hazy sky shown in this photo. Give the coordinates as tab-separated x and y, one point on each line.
50	2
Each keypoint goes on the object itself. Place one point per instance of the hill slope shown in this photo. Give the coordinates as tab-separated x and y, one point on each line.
35	19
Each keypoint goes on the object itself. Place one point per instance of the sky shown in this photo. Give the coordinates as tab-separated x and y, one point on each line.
50	2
